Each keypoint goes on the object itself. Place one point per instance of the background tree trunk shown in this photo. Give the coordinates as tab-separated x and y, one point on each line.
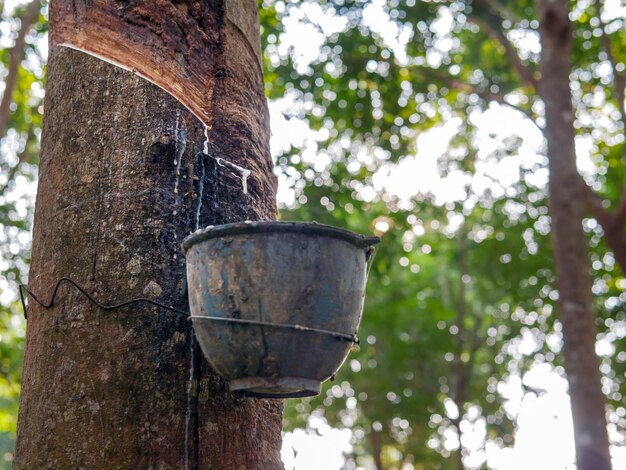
569	242
377	448
16	55
121	184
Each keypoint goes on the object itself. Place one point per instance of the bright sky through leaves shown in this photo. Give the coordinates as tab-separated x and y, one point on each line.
537	398
540	416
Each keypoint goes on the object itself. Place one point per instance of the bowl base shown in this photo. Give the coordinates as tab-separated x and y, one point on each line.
280	387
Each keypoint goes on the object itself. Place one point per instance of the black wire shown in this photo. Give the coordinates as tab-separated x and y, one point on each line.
23	289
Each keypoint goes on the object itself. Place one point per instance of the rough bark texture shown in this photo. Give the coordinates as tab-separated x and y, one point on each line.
174	44
121	184
569	243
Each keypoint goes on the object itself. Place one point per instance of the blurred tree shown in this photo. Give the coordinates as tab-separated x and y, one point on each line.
21	68
441	327
388	70
569	243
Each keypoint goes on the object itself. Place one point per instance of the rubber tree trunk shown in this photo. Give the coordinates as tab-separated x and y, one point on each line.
121	184
574	281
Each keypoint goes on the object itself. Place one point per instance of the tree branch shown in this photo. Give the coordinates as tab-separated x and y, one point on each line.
502	9
616	239
487	95
612	223
525	72
594	203
16	54
619	215
22	157
619	79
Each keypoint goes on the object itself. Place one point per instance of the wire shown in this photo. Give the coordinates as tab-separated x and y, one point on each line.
23	288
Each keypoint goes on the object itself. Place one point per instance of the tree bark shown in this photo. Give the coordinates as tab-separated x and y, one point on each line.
574	281
460	371
377	448
177	45
121	184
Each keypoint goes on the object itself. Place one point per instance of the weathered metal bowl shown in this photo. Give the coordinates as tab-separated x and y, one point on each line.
276	305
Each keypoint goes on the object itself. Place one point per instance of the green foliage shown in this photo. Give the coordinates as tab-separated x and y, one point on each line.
19	153
455	286
416	344
11	351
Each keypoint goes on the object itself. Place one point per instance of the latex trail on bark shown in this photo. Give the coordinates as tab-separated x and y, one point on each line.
174	45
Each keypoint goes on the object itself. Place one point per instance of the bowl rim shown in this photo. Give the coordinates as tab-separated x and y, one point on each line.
274	226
